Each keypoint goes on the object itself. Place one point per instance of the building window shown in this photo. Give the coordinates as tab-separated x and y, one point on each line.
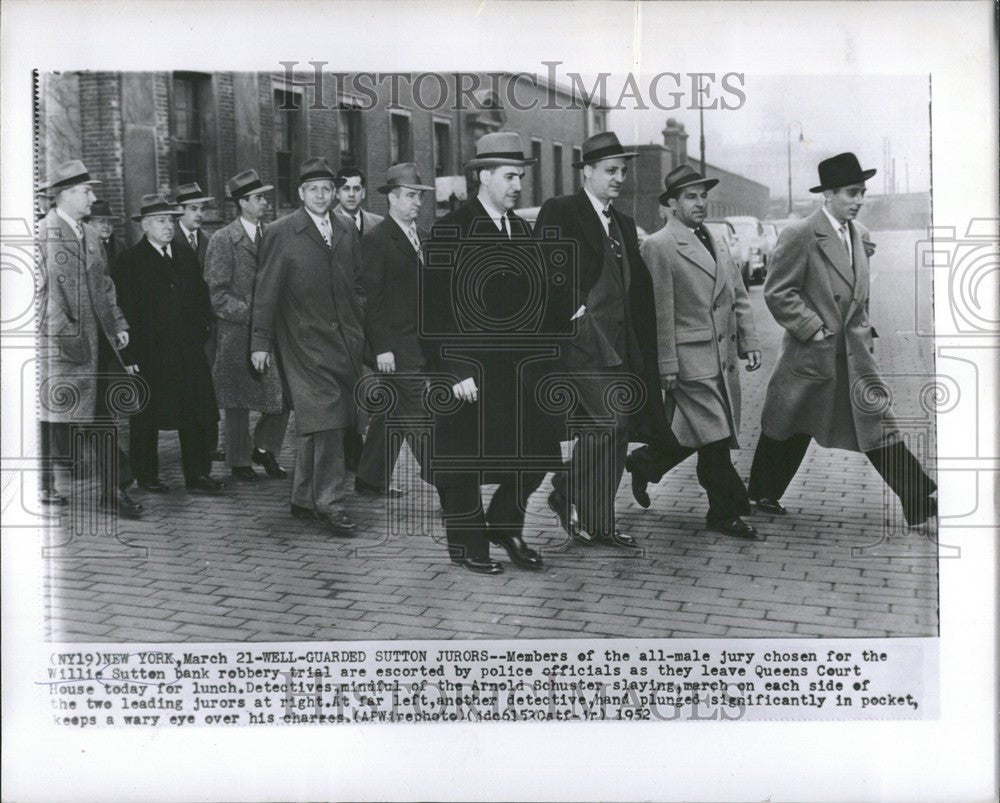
187	129
442	148
400	144
600	121
349	129
287	133
536	172
557	169
577	174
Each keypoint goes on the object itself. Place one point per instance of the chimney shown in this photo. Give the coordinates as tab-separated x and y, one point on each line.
675	139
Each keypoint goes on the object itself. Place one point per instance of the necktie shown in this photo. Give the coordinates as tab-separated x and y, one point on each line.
503	226
845	238
166	254
194	241
258	235
613	234
360	223
324	229
411	233
706	241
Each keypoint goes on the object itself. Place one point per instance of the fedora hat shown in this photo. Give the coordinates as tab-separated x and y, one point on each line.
67	175
314	168
402	175
498	149
246	183
156	205
839	171
191	194
99	209
602	146
683	176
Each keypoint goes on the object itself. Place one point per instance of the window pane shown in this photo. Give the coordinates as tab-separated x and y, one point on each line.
557	170
536	172
442	149
577	174
186	129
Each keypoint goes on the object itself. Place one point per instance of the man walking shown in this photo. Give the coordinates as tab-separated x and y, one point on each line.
704	325
307	314
103	220
615	337
192	202
82	329
818	290
391	259
231	267
477	285
166	300
352	187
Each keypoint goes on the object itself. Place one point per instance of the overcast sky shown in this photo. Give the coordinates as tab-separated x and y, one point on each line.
837	114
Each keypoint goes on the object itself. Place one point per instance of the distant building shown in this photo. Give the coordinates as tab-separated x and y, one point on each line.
146	132
733	195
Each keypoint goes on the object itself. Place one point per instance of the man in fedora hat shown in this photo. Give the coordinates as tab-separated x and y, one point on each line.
391	259
614	321
231	267
352	186
825	380
307	312
103	220
81	331
165	298
192	201
704	327
477	282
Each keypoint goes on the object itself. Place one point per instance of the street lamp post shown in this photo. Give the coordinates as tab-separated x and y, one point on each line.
801	139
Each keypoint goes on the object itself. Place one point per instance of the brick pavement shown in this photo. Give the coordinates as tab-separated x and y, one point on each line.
239	568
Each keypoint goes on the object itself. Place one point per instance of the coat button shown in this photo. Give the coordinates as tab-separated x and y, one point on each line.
733	338
732	368
715	307
836	298
720	338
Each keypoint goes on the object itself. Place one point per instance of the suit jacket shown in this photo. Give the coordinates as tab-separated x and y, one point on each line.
572	217
181	240
390	275
831	390
231	273
167	305
481	317
369	219
307	311
78	308
705	325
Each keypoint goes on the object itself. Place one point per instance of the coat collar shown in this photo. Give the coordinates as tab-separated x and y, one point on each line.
830	246
238	234
395	232
689	247
304	222
592	226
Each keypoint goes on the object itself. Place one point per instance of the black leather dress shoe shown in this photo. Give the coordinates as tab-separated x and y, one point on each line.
154	485
50	496
338	524
767	505
569	519
124	504
485	566
737	528
367	489
206	485
520	553
639	483
299	512
269	463
617	538
244	473
927	510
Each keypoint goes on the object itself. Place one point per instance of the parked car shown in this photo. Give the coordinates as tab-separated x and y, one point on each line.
530	214
724	232
755	249
771	233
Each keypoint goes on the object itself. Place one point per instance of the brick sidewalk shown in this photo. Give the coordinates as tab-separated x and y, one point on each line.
239	568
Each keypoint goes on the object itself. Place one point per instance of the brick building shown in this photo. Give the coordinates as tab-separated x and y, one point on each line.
149	132
733	195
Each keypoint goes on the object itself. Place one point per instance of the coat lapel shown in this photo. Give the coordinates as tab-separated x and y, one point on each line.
402	242
831	247
307	225
691	249
721	265
861	270
592	227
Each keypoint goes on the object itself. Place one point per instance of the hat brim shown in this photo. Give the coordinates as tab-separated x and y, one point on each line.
708	182
50	188
204	200
385	189
336	182
480	164
265	188
865	175
583	163
175	213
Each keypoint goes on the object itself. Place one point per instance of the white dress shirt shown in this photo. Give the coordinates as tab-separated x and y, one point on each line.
495	215
844	238
73	224
599	208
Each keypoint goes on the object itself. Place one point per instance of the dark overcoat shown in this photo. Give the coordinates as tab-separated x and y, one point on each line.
705	327
231	273
166	303
474	285
830	389
573	217
307	311
78	308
